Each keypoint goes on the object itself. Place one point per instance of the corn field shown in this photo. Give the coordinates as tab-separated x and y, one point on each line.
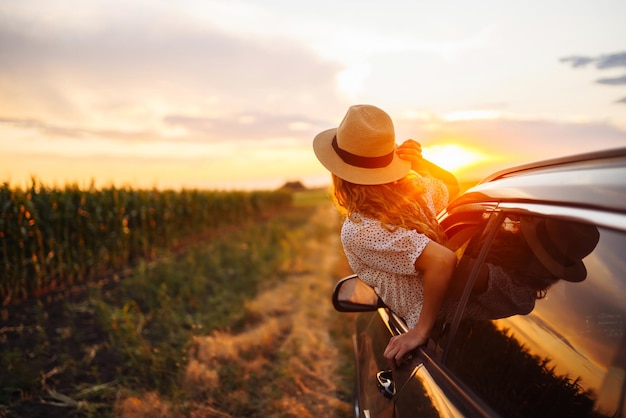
52	238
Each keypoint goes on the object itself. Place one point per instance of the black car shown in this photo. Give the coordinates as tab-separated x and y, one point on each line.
548	336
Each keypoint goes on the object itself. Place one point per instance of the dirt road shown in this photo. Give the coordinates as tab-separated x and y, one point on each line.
292	358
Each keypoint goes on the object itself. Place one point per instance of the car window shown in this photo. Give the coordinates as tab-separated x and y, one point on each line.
461	226
542	332
465	229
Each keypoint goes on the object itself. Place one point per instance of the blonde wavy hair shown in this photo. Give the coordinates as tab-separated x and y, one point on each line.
400	204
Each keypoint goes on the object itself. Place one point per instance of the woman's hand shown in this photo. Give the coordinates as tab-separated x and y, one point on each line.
400	345
410	150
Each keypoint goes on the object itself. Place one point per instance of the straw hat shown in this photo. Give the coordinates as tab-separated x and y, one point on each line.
560	245
362	149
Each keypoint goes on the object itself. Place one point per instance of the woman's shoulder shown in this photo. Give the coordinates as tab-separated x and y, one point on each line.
359	222
361	227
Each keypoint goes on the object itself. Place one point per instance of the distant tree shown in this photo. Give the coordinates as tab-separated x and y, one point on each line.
294	186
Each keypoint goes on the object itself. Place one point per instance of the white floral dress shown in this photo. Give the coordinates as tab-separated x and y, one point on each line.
385	260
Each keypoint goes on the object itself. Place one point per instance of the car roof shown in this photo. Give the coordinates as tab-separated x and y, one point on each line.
591	180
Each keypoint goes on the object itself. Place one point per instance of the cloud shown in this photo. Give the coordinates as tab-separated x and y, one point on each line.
577	61
602	62
612	61
612	81
51	130
253	125
248	125
36	125
616	60
128	68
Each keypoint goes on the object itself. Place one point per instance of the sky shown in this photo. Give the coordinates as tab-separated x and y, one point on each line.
228	94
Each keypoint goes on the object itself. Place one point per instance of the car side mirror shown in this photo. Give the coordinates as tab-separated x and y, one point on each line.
352	295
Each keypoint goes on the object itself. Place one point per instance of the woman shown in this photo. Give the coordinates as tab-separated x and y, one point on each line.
390	197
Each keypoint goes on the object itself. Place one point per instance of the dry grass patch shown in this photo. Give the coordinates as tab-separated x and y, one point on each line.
283	364
286	357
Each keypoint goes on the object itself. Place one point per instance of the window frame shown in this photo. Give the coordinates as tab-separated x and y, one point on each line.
608	220
601	219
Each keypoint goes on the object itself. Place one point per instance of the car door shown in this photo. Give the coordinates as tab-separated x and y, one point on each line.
377	382
548	336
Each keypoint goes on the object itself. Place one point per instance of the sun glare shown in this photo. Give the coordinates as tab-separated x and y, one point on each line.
453	157
350	81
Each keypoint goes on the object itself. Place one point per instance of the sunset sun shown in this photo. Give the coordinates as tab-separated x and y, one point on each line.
453	157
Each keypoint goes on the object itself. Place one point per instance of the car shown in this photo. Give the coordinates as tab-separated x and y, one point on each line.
544	335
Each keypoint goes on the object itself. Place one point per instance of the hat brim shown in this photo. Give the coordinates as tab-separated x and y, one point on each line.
575	272
322	145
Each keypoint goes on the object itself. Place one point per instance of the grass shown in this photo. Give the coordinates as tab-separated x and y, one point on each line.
231	327
311	197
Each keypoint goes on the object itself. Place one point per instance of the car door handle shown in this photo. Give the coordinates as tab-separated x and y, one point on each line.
384	381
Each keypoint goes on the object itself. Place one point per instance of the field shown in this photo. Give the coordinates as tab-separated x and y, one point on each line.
237	322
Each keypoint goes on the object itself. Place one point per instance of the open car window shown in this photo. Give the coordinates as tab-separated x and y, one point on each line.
548	327
462	226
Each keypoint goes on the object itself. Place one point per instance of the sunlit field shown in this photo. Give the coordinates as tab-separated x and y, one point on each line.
233	321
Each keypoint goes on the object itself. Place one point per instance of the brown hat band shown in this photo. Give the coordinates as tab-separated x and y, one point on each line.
360	161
